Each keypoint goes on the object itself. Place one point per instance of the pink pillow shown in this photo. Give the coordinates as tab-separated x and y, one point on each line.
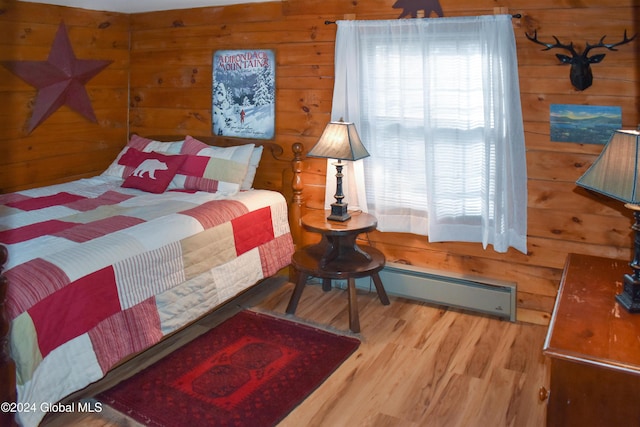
151	172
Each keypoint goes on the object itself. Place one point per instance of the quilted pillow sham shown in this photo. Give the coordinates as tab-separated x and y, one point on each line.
141	144
212	169
151	172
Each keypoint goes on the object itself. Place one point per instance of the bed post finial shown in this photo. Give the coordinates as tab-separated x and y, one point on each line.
7	366
295	208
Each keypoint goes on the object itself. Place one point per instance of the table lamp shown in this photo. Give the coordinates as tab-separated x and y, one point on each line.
340	141
615	173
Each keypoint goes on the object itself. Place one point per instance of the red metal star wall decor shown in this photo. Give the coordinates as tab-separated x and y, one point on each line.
60	80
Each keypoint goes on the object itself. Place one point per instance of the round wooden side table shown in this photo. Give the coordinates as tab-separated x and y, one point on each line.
338	256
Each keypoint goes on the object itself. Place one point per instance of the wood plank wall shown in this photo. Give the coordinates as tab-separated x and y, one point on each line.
170	78
171	54
66	145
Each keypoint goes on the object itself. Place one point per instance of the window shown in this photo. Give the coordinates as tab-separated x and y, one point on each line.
437	104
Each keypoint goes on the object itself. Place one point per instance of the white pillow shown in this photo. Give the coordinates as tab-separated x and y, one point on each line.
253	166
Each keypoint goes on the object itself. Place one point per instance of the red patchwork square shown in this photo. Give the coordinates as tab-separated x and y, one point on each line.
216	212
31	282
252	230
35	203
102	227
75	309
126	332
32	231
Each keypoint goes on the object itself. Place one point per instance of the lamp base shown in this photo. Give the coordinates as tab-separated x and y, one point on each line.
339	212
630	296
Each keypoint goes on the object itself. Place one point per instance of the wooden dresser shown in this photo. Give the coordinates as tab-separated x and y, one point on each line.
594	347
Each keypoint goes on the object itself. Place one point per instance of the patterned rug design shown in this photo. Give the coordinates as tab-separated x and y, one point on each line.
251	370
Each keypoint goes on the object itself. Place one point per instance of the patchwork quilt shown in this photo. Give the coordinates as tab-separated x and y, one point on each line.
97	272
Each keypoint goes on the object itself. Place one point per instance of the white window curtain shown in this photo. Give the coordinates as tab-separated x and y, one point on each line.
437	104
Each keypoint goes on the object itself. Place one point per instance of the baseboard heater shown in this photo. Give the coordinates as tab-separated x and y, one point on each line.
483	295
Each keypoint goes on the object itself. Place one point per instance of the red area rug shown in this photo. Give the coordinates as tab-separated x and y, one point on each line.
251	370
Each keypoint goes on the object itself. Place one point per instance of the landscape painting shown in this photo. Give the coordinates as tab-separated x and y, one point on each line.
585	124
243	96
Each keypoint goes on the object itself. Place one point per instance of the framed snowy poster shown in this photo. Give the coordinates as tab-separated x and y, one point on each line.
244	92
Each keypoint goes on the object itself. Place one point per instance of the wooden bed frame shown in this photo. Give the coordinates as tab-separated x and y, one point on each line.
8	393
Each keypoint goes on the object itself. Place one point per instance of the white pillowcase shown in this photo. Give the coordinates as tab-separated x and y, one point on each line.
247	184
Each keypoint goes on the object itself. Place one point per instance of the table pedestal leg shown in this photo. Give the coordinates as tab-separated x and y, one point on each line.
354	318
337	247
297	292
382	294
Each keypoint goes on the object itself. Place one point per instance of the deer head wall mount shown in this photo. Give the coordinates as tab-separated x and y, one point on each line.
580	74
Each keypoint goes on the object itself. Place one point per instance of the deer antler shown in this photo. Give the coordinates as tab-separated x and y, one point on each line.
580	74
549	46
611	46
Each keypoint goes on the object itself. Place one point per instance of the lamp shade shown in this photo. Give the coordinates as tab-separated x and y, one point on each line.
615	172
339	140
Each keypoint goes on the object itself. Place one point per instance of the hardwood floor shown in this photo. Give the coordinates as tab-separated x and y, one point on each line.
418	365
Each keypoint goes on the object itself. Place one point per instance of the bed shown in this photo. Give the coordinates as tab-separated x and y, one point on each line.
102	268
